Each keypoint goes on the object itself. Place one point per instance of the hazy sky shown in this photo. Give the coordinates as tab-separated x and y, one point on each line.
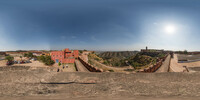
100	24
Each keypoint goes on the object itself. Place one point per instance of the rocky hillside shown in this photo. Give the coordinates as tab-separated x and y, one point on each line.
121	54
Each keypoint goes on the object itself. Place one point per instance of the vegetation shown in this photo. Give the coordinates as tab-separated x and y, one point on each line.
182	52
117	59
161	55
29	55
117	62
80	51
108	61
21	57
129	70
143	59
95	57
46	60
9	58
110	70
120	59
122	54
59	64
185	52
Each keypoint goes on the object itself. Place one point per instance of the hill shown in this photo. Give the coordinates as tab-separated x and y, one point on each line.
120	54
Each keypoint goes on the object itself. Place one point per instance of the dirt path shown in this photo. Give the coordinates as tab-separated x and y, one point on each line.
175	66
80	66
165	65
84	56
3	62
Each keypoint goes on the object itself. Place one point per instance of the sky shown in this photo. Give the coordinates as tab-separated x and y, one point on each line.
116	25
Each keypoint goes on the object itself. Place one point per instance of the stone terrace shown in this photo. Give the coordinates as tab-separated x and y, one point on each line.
44	84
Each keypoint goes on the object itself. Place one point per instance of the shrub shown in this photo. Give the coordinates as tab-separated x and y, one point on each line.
46	60
59	64
9	58
29	55
80	51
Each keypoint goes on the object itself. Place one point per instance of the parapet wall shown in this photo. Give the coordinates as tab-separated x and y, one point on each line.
154	67
90	67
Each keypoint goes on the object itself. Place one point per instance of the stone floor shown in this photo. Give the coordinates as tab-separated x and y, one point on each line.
42	84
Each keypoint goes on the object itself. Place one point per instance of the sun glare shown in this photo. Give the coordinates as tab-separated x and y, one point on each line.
170	29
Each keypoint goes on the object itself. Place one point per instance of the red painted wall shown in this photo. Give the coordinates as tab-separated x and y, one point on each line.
65	56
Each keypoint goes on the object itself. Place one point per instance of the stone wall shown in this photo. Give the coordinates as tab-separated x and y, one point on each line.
90	67
154	67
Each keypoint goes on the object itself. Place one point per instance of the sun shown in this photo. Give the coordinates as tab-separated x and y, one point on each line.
170	29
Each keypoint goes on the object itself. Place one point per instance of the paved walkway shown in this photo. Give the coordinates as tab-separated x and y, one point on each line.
70	68
80	66
42	85
175	66
165	65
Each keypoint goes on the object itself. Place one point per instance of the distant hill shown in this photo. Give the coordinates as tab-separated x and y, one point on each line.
120	54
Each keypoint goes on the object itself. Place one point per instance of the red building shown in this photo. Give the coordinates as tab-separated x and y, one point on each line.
64	56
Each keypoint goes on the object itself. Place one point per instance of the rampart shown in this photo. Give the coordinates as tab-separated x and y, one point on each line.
90	67
153	68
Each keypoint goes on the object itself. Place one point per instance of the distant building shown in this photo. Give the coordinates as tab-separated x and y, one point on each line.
64	56
151	50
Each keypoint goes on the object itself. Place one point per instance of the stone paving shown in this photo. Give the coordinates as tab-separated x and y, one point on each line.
42	84
165	65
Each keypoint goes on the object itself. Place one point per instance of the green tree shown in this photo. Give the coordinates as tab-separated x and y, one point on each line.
21	57
185	52
80	51
25	55
46	60
9	58
29	55
59	64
